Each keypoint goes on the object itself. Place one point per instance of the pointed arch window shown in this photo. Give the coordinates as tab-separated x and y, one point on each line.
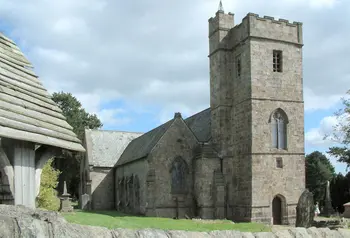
179	172
279	123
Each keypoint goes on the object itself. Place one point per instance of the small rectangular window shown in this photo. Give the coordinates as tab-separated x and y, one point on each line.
238	66
279	163
277	61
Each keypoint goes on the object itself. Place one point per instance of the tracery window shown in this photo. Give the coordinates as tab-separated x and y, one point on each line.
279	123
179	172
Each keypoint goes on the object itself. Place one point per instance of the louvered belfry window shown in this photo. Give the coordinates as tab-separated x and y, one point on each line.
277	61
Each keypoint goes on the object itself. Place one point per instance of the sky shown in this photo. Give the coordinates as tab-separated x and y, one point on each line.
135	63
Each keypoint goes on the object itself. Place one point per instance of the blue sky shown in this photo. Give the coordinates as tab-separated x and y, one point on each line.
135	63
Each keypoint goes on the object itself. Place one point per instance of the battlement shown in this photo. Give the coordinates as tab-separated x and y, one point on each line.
221	21
252	26
273	20
267	28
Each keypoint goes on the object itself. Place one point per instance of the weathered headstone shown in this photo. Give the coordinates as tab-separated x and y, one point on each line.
85	201
328	209
65	200
346	213
305	210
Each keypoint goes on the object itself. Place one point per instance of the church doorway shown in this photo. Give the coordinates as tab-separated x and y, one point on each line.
277	210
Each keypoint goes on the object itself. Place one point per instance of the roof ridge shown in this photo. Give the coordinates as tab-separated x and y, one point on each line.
105	130
25	105
197	113
148	132
165	126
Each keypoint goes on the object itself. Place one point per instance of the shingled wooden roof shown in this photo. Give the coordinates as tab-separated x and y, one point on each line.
27	111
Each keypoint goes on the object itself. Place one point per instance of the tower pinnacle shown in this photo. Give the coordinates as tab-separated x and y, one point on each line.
221	8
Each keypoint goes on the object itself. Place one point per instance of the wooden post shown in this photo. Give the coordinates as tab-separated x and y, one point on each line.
24	173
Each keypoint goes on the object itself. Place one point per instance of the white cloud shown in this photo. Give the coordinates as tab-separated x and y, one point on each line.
113	117
323	3
319	102
155	52
70	25
92	102
54	56
315	136
168	113
328	127
339	167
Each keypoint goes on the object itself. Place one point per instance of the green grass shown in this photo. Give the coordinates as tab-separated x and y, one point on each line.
113	219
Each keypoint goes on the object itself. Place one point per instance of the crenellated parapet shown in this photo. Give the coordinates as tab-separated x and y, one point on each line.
219	27
252	26
273	20
270	28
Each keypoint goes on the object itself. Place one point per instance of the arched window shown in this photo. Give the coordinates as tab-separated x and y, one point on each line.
279	123
179	171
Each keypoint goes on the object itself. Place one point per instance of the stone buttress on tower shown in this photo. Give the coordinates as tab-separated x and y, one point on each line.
257	114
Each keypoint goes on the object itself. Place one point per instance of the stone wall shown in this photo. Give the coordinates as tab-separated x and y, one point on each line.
244	93
139	168
154	175
271	91
205	163
102	188
18	221
177	142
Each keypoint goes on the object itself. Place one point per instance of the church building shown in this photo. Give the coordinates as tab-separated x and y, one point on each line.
243	157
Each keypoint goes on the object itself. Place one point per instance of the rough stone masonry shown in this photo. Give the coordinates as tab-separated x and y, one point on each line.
242	158
20	221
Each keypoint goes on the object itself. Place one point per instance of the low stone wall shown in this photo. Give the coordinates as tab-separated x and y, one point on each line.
19	221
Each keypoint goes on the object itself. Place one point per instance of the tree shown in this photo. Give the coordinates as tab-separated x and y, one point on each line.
341	133
79	119
339	187
47	197
75	114
319	170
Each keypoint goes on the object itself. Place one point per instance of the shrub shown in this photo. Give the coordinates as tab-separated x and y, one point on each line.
47	197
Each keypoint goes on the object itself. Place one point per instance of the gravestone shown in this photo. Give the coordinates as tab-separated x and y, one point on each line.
346	213
65	200
305	210
85	201
328	209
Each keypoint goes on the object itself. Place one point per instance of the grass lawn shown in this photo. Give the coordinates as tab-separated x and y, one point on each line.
113	219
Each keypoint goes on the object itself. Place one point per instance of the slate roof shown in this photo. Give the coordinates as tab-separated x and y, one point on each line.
27	111
105	147
199	124
141	146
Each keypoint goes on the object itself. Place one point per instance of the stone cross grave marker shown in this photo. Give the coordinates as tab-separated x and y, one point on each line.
65	200
328	209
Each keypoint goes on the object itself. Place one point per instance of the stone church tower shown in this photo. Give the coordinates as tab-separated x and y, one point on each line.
240	159
257	114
